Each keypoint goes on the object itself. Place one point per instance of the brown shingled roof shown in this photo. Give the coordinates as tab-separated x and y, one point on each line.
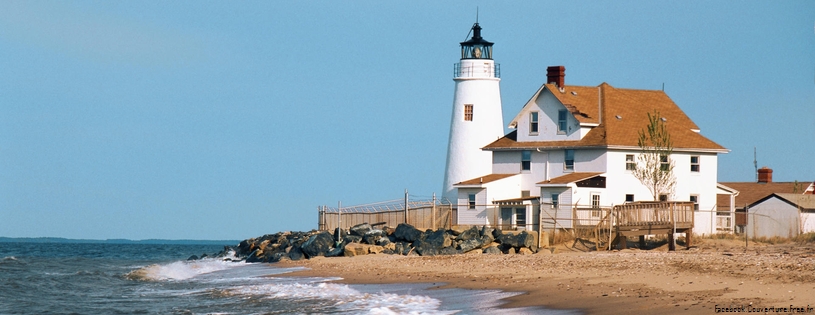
750	192
632	106
484	179
570	178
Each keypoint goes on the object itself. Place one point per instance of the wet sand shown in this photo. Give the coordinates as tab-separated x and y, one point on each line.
715	273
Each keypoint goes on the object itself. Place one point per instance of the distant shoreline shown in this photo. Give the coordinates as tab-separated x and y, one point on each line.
62	240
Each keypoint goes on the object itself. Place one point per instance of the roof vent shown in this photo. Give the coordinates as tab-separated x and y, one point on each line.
619	117
664	119
574	93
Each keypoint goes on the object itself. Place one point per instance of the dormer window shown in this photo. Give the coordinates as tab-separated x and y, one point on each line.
561	121
533	123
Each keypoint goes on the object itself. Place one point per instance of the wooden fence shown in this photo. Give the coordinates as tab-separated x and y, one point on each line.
422	217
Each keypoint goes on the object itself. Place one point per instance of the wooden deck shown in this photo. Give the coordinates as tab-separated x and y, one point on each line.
651	218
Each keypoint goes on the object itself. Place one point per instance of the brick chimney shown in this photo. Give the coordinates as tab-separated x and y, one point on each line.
765	175
556	75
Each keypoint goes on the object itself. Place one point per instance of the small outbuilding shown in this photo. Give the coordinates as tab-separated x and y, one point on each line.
781	215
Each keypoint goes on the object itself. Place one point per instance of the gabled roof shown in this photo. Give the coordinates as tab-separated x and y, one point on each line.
752	192
569	178
804	202
484	179
621	114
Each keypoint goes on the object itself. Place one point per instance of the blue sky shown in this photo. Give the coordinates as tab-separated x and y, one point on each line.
228	120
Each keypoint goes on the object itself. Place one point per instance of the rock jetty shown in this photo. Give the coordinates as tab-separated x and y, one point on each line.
365	239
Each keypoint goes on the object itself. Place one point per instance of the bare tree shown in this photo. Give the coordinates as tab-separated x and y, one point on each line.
654	166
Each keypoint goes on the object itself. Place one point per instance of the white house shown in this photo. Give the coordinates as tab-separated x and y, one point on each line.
576	146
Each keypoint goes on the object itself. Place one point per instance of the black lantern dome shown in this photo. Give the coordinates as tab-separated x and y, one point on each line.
476	47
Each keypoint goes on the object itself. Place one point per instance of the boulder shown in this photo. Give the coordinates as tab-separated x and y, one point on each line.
469	245
431	243
255	256
468	234
375	249
361	229
334	252
406	232
525	251
296	253
492	250
496	233
508	240
193	257
511	251
352	239
339	233
401	248
318	244
373	235
523	239
383	241
526	239
485	240
355	249
449	251
485	230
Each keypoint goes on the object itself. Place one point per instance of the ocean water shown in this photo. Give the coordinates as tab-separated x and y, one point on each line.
62	278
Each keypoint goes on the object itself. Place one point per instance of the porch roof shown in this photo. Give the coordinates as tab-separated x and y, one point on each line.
516	201
569	178
483	179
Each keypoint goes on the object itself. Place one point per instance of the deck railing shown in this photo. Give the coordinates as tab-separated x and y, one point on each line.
653	213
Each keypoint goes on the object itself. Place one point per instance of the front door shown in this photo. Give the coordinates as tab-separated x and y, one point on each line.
506	218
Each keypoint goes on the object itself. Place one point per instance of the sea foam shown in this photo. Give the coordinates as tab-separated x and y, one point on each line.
344	298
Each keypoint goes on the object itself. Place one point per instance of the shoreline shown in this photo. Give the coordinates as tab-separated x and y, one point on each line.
718	273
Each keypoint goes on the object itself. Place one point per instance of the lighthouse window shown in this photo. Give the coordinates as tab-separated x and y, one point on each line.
468	112
533	122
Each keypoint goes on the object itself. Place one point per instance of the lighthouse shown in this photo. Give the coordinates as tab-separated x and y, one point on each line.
477	118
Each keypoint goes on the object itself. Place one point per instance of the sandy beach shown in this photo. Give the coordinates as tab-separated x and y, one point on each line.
715	273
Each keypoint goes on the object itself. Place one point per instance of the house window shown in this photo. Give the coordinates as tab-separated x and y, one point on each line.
533	122
629	198
555	200
694	163
520	217
471	201
568	162
561	121
663	197
595	204
526	160
664	164
695	200
630	165
468	112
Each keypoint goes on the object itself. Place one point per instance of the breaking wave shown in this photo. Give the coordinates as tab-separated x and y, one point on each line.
181	270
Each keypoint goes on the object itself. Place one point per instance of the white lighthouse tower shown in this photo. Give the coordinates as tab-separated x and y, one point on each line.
477	116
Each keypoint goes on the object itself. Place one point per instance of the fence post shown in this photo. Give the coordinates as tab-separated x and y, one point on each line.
339	215
406	206
433	211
